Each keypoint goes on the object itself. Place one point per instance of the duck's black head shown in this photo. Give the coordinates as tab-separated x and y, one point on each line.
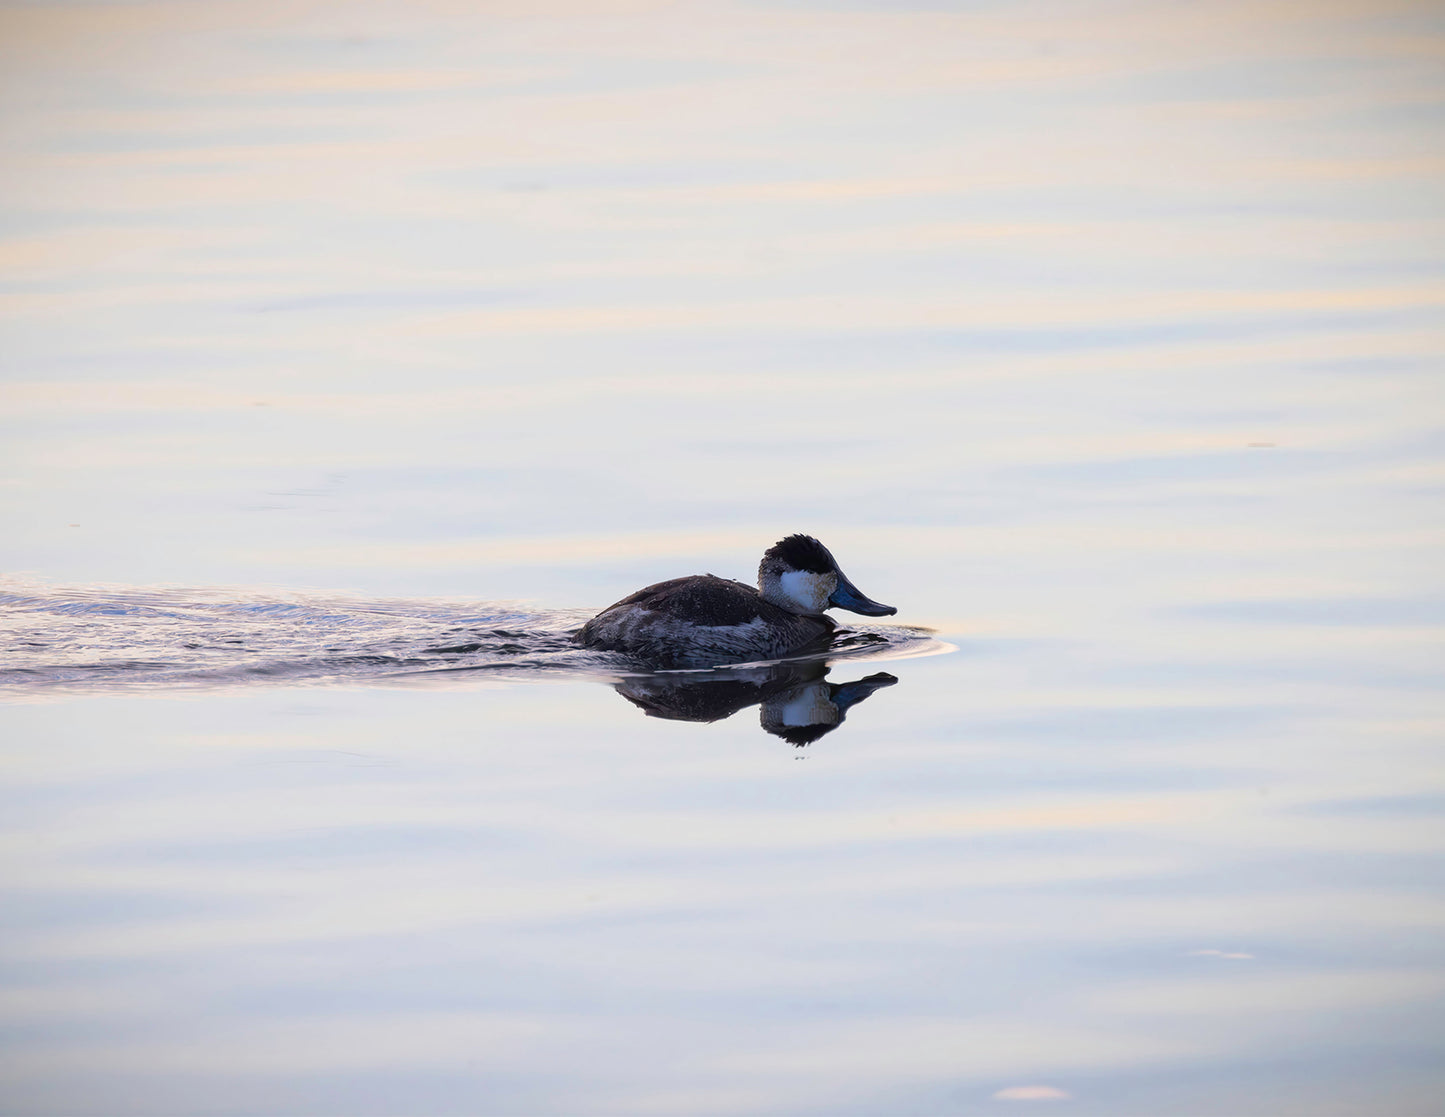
802	552
801	575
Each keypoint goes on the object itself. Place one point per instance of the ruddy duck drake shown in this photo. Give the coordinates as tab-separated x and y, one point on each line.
704	620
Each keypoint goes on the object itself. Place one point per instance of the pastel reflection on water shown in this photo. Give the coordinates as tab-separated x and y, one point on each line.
1103	337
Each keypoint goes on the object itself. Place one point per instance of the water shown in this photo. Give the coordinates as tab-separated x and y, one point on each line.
353	355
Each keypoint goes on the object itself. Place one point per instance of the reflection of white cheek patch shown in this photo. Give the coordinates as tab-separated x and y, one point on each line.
809	590
811	707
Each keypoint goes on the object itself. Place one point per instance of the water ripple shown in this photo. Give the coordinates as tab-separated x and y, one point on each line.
121	639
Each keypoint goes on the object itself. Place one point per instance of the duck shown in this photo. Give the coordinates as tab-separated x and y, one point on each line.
705	621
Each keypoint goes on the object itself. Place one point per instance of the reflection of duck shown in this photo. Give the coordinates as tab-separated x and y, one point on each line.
703	620
798	703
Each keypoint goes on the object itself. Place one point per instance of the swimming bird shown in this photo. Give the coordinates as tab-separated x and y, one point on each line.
703	620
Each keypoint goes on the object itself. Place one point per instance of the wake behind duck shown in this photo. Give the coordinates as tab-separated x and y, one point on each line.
104	638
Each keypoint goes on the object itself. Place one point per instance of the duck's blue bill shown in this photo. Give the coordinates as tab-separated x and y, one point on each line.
847	596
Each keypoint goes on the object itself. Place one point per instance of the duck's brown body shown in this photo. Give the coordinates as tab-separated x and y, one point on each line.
700	621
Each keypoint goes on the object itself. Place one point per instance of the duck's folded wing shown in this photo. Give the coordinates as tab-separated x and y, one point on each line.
702	599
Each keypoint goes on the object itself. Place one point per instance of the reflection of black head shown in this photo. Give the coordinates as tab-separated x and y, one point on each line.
802	735
798	704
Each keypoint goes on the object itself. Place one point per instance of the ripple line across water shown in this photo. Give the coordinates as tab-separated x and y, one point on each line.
107	639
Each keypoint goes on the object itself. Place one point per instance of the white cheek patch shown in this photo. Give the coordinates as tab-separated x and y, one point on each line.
810	591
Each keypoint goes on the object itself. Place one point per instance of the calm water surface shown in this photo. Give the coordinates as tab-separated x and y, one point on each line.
352	354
